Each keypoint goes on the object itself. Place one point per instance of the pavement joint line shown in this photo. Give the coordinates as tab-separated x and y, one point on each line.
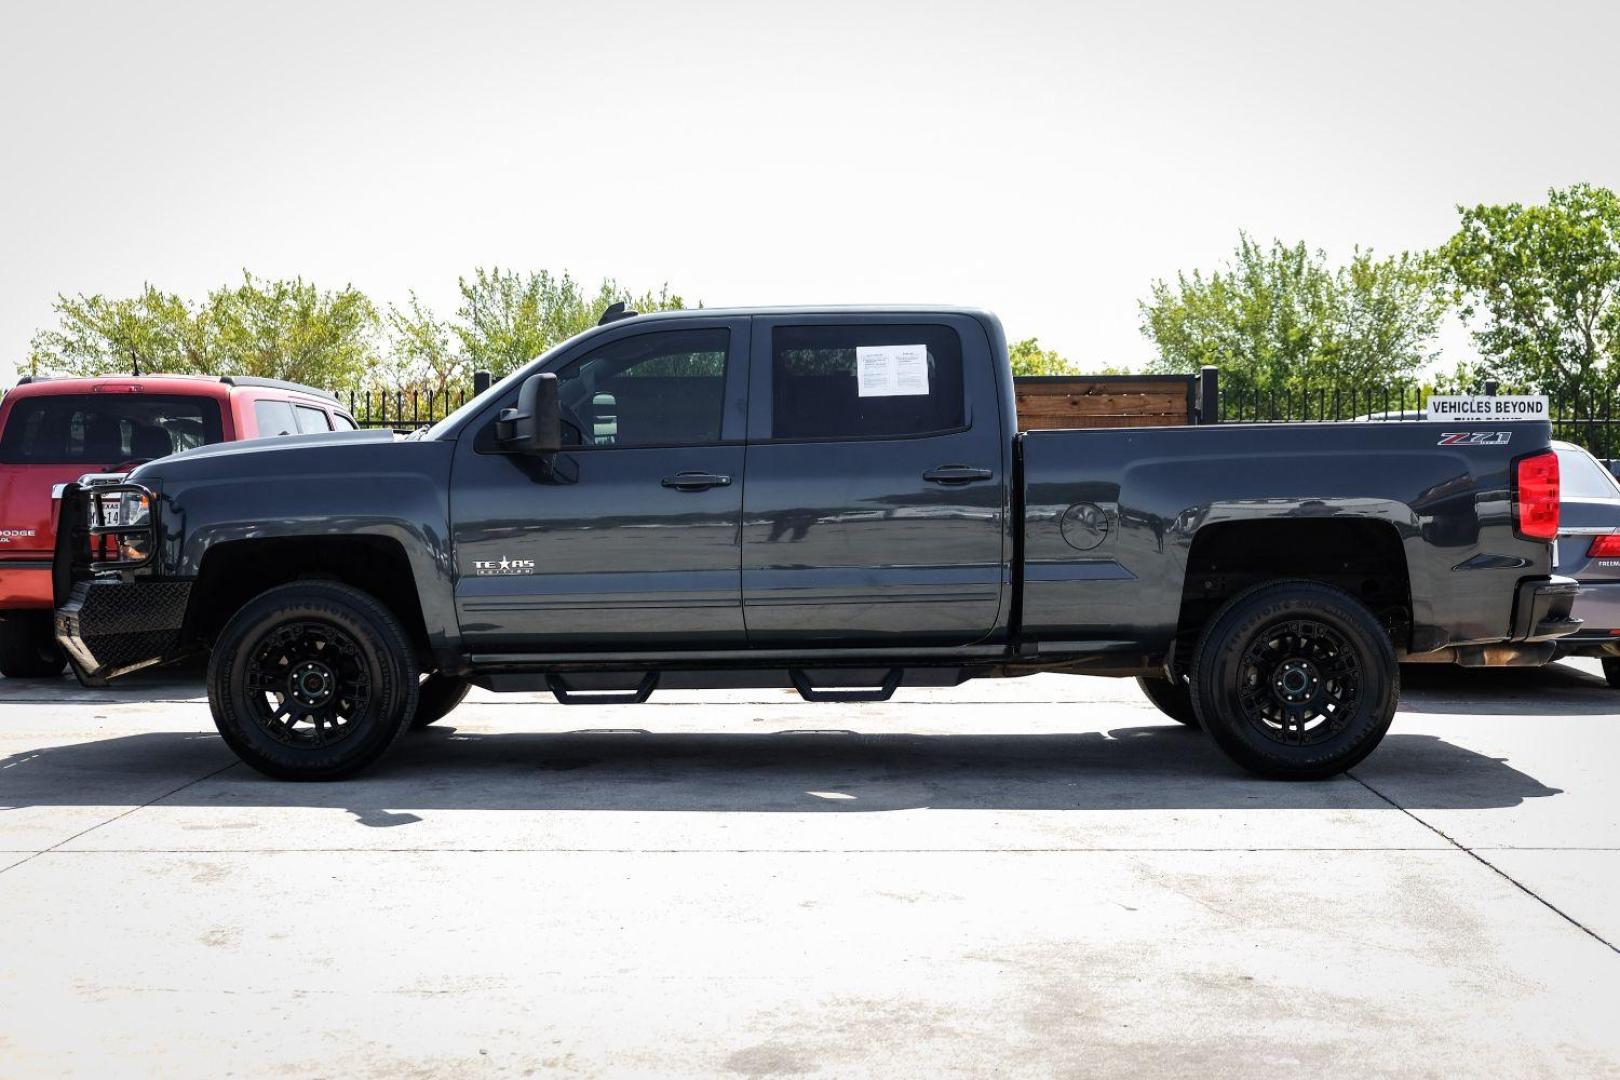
732	851
1509	878
119	817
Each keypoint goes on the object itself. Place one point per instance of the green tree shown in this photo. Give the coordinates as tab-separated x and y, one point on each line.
507	318
422	353
1540	287
274	329
1028	358
1283	319
96	335
292	330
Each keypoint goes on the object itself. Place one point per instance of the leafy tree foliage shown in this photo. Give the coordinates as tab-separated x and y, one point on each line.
1280	318
508	318
1540	285
274	329
1028	358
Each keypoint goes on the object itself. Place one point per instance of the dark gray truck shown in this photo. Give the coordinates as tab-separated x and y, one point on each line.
835	500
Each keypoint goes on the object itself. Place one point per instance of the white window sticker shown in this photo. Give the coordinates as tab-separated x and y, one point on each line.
1504	407
891	370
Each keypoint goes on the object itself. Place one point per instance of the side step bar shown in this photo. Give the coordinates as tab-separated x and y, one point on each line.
559	690
632	686
882	692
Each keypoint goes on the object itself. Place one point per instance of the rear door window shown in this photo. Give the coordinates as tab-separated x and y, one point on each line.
106	429
274	418
865	381
311	419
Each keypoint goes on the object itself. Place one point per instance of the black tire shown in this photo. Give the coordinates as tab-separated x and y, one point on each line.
1611	670
1174	699
1295	680
436	697
28	648
312	681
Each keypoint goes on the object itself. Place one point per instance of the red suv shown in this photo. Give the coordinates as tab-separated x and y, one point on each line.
53	431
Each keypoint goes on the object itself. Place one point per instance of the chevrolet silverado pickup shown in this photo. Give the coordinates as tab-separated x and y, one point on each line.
834	500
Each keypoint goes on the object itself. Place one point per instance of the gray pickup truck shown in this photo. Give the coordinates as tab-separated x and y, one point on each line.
835	500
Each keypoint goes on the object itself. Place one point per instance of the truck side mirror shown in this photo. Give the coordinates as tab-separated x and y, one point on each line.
535	426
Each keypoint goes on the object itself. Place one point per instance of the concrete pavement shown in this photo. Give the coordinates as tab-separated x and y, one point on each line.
1038	876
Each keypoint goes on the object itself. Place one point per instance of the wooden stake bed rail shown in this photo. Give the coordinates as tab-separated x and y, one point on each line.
1104	401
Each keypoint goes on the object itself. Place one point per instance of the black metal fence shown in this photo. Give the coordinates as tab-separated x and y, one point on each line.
1589	420
407	410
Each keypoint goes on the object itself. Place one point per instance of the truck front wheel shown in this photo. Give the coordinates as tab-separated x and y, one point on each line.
1611	670
312	681
1295	680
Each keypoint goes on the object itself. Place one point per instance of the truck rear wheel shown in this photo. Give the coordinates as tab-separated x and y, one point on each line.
1611	670
436	697
1295	680
312	681
1173	698
27	648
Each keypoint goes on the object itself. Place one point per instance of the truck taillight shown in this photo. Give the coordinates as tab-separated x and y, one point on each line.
1535	496
1604	547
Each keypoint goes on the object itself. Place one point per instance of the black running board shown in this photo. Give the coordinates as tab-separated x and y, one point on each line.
882	692
559	689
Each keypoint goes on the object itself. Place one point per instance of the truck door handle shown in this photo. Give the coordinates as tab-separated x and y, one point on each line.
696	481
957	474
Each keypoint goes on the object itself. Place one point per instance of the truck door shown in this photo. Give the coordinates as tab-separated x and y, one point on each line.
630	536
877	501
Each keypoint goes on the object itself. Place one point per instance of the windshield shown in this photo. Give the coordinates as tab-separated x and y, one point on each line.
106	429
1581	477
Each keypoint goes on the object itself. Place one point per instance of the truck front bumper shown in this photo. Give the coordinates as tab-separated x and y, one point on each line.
109	628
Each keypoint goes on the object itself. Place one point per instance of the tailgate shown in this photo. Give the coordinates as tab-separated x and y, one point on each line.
29	496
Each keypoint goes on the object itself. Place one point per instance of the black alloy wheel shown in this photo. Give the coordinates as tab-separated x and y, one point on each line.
313	680
1300	681
1295	680
309	684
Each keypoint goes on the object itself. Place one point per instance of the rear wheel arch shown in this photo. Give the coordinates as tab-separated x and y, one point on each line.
1362	556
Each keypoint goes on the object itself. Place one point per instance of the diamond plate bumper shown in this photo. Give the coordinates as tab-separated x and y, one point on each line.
110	628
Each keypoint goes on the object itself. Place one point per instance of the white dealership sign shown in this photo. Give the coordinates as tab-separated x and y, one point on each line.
1505	407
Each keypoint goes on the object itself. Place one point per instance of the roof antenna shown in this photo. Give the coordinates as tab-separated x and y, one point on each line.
616	311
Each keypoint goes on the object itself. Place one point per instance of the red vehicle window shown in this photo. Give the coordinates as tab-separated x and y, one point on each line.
274	418
311	419
106	429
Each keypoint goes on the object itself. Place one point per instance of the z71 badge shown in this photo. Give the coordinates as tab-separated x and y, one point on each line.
503	567
1475	438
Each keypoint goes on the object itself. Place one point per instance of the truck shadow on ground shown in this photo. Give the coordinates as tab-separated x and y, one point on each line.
1157	766
1554	690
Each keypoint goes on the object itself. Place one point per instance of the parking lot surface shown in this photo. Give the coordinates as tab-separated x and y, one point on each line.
1037	876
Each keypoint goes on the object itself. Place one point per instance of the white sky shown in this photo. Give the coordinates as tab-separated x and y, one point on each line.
1045	160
